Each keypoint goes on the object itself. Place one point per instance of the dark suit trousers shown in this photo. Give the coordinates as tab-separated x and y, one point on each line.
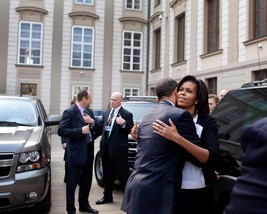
111	169
82	175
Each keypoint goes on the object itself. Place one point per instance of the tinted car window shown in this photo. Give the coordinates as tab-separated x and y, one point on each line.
238	109
138	109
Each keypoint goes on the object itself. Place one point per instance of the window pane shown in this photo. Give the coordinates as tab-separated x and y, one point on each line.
36	45
76	62
76	55
136	67
86	63
25	26
77	48
24	44
126	59
137	52
127	92
25	34
126	66
137	4
129	4
127	35
135	92
127	51
136	59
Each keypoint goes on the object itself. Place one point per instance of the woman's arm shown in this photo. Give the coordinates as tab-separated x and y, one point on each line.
171	133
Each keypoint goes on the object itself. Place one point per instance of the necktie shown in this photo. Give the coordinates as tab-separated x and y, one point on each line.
89	134
108	126
111	116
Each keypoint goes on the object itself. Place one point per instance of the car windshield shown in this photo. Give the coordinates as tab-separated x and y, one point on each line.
17	112
138	109
238	109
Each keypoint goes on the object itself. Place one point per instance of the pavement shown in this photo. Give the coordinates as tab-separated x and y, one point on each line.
58	187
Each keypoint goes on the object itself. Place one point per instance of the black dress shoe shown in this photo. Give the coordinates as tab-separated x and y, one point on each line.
104	200
88	209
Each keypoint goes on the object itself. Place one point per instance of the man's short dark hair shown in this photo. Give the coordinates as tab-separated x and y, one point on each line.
81	94
165	87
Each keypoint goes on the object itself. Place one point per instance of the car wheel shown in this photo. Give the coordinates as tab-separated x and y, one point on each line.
45	205
98	170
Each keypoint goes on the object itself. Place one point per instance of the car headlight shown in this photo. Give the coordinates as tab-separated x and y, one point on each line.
29	161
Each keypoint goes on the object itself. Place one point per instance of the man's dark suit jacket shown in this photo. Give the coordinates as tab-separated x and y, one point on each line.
154	185
118	139
71	127
249	195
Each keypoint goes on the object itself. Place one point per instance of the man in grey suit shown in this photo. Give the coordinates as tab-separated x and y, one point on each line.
154	185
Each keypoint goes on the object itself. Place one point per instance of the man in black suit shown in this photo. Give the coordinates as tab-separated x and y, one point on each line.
249	195
114	146
80	127
153	187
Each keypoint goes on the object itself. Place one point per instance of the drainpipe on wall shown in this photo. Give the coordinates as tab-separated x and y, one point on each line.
148	44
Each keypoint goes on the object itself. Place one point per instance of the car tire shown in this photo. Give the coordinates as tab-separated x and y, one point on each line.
45	205
98	170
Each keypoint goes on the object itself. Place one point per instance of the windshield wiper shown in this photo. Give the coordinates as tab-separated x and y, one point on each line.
12	123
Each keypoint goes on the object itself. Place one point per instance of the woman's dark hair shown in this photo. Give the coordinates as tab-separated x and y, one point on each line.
202	105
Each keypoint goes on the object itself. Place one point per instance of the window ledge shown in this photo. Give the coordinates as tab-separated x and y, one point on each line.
211	54
80	68
254	41
131	71
178	63
155	70
29	66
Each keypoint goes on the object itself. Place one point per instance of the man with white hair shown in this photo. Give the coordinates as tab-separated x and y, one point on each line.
117	123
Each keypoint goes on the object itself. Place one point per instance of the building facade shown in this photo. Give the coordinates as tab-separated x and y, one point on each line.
53	48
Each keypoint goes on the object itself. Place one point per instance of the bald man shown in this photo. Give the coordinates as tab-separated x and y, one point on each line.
118	123
223	93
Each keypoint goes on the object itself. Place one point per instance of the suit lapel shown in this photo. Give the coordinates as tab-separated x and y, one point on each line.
78	113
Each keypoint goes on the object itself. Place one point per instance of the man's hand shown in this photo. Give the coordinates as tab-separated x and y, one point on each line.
86	129
88	119
64	145
134	131
120	121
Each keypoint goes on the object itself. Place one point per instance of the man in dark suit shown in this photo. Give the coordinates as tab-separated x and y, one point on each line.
80	127
249	195
114	146
153	187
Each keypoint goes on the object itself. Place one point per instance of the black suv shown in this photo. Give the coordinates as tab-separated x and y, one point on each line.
139	106
238	109
25	153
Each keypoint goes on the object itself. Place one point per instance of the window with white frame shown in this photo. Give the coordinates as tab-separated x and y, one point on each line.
133	4
131	92
132	51
89	2
77	88
82	47
30	43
